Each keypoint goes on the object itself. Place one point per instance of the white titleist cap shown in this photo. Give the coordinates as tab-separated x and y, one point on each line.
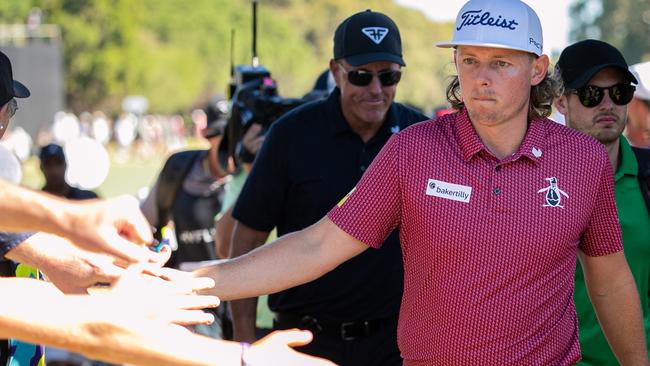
642	73
498	23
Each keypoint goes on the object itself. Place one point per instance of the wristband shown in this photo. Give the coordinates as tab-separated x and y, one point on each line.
244	351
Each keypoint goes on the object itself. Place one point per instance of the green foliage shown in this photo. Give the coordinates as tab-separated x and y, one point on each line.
623	23
14	11
177	52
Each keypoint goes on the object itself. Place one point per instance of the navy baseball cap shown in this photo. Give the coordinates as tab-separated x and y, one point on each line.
51	151
367	37
9	88
582	60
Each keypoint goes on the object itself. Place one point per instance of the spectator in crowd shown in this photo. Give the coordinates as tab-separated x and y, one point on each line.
310	158
189	192
637	128
598	93
53	166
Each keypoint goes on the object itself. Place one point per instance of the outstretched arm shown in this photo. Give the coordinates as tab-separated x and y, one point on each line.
121	325
615	298
71	269
114	226
244	311
289	261
117	327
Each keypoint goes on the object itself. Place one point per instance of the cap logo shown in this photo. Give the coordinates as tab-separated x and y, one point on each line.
376	34
535	43
478	17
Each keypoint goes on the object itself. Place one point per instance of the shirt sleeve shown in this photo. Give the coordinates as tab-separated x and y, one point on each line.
603	234
372	210
264	193
8	241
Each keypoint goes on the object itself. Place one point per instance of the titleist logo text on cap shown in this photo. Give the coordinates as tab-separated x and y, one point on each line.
476	17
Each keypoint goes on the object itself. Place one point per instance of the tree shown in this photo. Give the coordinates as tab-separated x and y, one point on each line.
623	23
177	52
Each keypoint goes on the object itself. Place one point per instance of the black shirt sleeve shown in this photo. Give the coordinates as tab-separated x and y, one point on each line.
263	195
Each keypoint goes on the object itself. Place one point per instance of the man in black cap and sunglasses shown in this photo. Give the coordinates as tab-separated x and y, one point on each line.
597	90
310	159
9	90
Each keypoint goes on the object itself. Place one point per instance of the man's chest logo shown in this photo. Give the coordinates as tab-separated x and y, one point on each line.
553	194
449	191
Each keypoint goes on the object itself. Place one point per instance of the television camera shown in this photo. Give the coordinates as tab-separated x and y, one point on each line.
254	98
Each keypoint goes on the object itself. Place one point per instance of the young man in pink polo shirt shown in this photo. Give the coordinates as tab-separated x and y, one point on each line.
494	204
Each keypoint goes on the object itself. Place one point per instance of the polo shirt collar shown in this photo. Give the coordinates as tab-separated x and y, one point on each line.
341	125
471	144
534	144
333	102
469	141
628	165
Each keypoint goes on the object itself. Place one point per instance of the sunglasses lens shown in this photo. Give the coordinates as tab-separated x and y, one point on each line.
622	94
390	78
359	78
590	96
364	78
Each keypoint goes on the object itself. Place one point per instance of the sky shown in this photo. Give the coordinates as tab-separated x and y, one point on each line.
554	16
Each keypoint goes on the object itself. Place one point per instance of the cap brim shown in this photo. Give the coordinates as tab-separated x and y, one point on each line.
583	79
483	44
366	58
20	90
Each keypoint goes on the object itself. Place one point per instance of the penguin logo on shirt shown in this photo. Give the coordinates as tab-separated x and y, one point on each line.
553	194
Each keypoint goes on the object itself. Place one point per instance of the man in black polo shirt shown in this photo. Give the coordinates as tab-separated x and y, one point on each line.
310	159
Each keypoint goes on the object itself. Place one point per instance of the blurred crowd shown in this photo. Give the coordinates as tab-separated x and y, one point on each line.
146	136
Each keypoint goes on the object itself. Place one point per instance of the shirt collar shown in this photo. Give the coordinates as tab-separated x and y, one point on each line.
628	164
333	103
471	144
534	142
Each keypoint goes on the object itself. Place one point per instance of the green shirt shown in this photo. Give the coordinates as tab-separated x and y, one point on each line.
635	225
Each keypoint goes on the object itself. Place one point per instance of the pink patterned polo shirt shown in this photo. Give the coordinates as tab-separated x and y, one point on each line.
489	246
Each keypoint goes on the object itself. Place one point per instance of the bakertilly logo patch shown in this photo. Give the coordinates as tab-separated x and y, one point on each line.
450	191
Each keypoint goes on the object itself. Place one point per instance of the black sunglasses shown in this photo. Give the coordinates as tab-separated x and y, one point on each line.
591	95
363	77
